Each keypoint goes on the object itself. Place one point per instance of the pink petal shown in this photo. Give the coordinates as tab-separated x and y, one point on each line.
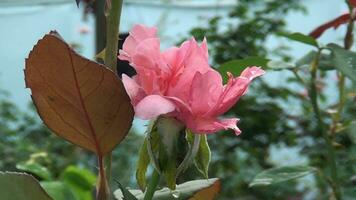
134	90
204	47
146	53
183	111
230	123
123	55
141	32
207	126
171	56
174	57
205	91
148	56
138	34
152	71
153	106
252	72
195	60
234	89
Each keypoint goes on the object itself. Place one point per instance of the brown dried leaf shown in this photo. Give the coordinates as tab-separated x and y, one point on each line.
209	193
78	99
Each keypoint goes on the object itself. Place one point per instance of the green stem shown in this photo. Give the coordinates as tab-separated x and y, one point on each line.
336	118
112	34
300	79
112	38
151	188
189	157
321	128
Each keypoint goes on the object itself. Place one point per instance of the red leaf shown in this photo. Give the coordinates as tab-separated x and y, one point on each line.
335	23
78	99
353	2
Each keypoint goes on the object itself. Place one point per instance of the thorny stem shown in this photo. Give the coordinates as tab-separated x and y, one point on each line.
112	34
112	37
321	127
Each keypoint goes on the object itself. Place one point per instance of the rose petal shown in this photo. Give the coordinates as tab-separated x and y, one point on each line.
252	72
134	90
204	47
146	54
138	34
230	123
153	106
205	91
195	60
234	89
207	126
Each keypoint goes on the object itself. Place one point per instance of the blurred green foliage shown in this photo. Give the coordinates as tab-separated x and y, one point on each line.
250	24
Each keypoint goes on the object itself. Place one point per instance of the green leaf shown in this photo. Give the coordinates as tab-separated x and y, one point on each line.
142	165
58	190
168	164
344	60
299	37
237	66
325	61
81	181
281	174
21	186
279	65
123	194
79	177
36	169
206	189
203	157
349	193
306	59
153	142
169	130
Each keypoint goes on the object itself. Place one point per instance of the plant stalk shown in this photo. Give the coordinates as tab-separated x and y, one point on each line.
112	37
321	128
107	164
152	185
189	157
103	191
112	34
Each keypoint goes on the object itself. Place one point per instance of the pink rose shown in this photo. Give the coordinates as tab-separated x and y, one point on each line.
179	82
